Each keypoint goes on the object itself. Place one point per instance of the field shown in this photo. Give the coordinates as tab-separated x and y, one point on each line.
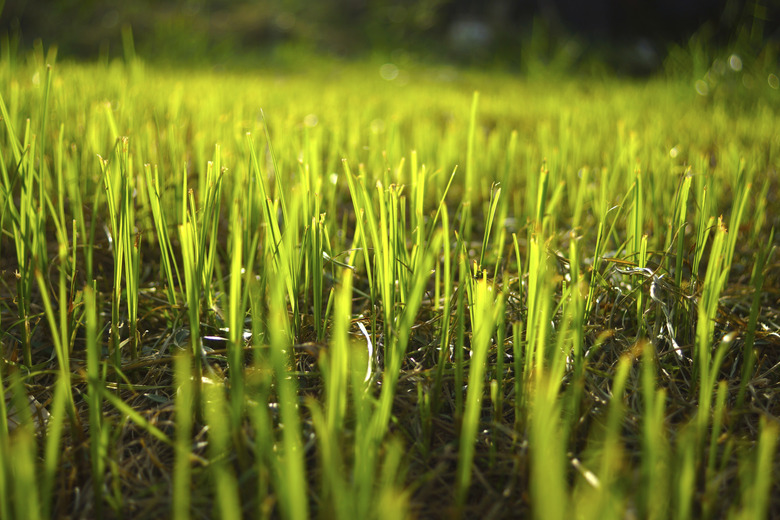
373	290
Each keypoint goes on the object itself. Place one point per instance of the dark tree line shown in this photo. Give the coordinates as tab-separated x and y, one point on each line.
85	28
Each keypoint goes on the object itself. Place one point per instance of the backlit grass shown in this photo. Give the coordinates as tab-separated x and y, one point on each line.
319	293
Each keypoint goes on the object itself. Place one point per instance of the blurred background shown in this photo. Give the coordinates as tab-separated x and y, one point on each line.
631	37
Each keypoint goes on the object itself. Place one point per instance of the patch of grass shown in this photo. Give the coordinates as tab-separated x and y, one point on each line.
322	293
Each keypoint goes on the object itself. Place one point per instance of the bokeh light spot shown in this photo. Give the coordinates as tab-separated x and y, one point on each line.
735	62
377	126
388	71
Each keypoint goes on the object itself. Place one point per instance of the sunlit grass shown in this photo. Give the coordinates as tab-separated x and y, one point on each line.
321	293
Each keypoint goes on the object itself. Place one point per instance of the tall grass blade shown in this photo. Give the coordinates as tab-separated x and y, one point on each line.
487	308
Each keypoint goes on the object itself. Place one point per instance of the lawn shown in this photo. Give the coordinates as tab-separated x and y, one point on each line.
358	290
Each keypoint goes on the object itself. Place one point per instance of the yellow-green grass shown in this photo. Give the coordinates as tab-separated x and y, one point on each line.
316	292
